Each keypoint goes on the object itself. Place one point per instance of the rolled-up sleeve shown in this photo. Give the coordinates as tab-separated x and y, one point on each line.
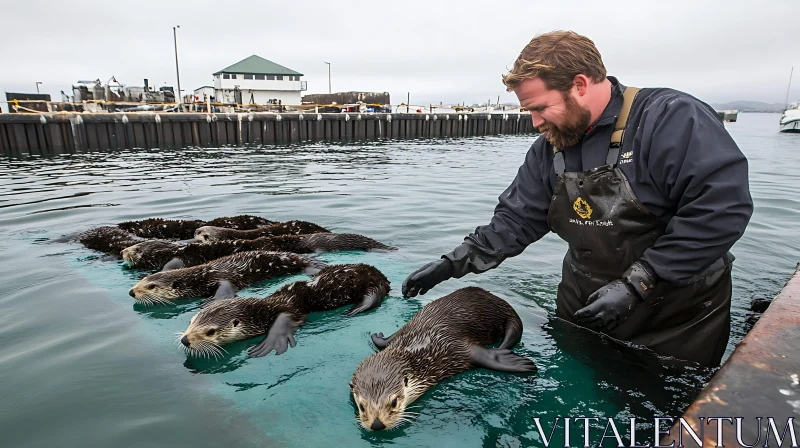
693	161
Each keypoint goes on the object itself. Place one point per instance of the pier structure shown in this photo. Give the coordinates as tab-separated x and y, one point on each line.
50	134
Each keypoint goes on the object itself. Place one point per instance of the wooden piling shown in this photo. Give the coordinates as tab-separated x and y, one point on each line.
25	135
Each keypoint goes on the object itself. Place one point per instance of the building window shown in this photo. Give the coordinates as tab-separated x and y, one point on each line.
248	76
270	77
260	77
297	78
226	76
279	77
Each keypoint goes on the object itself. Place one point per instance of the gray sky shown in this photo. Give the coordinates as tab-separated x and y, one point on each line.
437	50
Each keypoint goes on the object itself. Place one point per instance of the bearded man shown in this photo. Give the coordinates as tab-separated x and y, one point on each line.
645	185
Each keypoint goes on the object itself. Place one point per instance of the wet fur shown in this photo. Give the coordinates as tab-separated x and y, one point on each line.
107	239
243	318
154	254
240	270
435	344
184	229
210	233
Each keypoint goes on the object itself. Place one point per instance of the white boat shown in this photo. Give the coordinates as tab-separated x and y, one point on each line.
790	119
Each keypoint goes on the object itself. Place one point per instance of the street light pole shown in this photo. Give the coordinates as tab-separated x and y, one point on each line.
329	77
37	86
177	70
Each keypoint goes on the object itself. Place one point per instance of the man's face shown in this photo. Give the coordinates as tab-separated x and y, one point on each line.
557	115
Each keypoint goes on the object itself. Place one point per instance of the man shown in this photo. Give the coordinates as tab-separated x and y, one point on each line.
646	186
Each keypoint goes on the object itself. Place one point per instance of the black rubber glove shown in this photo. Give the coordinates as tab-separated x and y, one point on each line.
426	277
615	302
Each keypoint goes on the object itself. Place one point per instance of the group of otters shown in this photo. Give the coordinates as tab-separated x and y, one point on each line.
215	259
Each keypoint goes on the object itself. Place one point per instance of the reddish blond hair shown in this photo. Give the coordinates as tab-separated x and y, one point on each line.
556	58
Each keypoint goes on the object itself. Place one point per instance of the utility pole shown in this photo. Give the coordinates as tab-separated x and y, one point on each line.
37	86
177	70
329	77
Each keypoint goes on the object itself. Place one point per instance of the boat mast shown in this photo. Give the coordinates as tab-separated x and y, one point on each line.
788	89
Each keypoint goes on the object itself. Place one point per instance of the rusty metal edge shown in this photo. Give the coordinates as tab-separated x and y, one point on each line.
768	353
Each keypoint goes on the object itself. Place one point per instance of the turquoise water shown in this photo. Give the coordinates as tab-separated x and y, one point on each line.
81	365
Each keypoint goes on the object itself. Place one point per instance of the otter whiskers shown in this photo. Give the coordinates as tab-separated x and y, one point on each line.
206	349
150	299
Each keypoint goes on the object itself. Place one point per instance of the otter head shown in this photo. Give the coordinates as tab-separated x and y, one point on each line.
207	234
160	288
151	253
221	322
382	388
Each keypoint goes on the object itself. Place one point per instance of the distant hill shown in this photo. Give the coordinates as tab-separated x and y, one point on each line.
750	106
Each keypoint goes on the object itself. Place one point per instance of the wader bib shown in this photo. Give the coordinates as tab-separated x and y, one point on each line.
608	229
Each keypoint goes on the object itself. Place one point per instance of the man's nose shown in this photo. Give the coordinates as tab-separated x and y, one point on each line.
537	119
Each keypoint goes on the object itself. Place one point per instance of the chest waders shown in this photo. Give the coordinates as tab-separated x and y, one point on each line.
608	229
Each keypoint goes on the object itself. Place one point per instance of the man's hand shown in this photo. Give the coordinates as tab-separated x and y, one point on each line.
426	277
614	303
608	307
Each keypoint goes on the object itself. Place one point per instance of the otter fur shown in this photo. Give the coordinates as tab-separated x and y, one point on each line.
282	313
158	254
446	337
107	239
220	278
184	229
207	234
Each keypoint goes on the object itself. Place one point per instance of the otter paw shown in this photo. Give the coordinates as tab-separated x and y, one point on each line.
501	359
380	341
279	337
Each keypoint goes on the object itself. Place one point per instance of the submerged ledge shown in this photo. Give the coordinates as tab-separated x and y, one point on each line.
760	380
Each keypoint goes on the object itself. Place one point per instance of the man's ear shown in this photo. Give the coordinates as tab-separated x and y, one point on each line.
581	84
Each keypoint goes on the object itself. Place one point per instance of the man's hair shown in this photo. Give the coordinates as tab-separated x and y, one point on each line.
556	57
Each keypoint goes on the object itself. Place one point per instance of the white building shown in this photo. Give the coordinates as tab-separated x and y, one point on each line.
254	80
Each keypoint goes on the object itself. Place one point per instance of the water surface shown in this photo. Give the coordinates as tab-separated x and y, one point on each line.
83	366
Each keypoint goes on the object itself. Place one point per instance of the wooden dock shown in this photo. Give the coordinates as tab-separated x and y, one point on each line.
30	135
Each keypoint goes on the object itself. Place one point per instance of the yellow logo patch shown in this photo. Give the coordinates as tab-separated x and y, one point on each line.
582	208
627	155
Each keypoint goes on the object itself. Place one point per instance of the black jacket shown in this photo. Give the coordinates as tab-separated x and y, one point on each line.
685	168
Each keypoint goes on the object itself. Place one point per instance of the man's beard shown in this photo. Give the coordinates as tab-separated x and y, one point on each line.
570	133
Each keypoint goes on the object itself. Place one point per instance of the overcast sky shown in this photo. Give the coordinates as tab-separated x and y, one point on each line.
448	51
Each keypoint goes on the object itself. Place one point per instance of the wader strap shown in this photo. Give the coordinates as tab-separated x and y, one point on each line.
558	163
619	128
622	120
613	155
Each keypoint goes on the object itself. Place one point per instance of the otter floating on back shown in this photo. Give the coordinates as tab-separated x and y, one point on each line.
158	254
446	337
282	313
207	234
220	278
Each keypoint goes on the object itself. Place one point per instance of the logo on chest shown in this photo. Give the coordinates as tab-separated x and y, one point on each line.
627	157
582	208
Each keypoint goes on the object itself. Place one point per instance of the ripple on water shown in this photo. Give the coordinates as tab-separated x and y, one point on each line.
101	371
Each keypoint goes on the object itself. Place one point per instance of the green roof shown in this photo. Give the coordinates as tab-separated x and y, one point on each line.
256	65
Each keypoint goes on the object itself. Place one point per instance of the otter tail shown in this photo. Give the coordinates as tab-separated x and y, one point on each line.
513	331
380	247
67	238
